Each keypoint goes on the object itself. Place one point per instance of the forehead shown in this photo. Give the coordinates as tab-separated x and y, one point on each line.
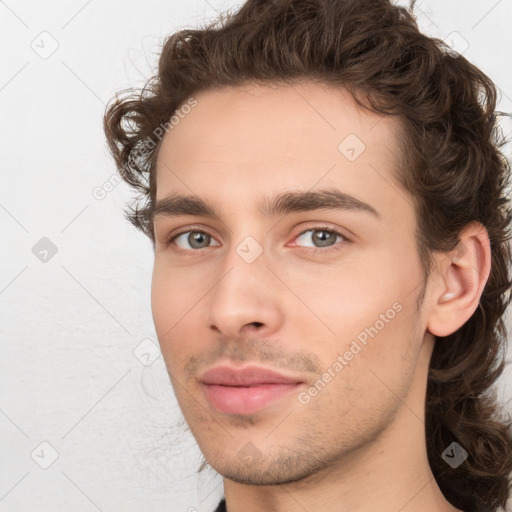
250	138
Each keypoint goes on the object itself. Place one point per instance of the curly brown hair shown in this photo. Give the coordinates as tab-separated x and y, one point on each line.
452	166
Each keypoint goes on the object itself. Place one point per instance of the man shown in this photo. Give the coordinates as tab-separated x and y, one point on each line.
325	193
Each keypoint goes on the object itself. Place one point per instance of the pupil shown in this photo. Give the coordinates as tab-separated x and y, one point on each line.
196	238
322	238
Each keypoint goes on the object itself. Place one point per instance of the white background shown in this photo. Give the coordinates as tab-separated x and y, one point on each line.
69	326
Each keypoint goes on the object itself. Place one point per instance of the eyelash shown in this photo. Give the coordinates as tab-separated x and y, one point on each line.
314	250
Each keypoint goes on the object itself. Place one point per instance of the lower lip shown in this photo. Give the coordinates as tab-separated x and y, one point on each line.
245	400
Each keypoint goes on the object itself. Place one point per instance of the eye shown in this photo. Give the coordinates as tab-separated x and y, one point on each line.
321	237
194	238
318	238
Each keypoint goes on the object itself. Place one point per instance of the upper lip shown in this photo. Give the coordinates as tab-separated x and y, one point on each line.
248	376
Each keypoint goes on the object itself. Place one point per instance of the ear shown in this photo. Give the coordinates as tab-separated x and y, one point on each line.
461	277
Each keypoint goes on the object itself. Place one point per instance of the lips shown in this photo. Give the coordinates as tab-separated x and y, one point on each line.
245	390
249	376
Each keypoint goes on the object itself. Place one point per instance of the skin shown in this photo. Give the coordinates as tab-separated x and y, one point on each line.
359	444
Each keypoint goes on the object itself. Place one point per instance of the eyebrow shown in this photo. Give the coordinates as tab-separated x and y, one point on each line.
176	205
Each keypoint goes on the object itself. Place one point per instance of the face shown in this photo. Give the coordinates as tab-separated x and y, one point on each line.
320	286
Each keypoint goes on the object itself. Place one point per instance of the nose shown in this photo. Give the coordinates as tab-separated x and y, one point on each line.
245	299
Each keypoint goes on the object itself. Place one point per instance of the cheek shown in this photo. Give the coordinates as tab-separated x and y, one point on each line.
347	297
163	299
174	299
369	368
175	292
366	315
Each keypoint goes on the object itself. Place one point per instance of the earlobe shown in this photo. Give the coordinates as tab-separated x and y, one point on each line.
462	275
